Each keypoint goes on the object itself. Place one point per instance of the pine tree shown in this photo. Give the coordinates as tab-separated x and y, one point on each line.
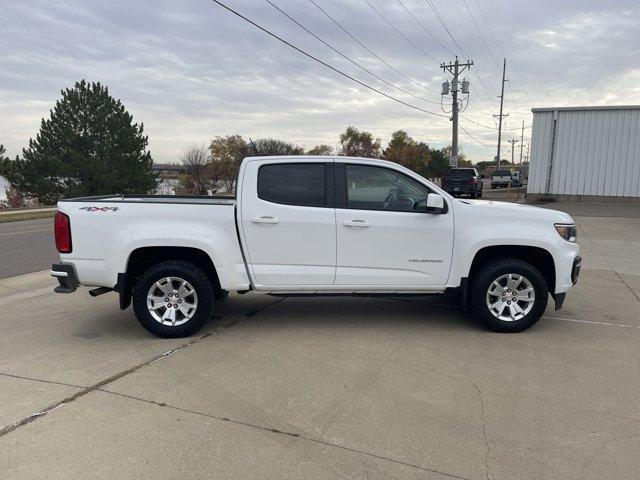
88	146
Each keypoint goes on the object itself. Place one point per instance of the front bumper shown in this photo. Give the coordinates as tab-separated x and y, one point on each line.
67	277
575	270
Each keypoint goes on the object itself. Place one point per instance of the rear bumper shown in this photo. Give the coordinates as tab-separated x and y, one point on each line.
67	277
463	189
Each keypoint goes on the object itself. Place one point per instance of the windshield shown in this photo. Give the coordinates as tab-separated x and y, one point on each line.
502	173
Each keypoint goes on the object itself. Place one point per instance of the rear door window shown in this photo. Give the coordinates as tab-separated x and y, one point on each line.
293	184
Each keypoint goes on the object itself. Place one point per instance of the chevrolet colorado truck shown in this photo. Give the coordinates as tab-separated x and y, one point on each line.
315	226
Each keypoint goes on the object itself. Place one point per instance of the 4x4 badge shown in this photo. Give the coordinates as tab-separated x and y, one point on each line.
100	209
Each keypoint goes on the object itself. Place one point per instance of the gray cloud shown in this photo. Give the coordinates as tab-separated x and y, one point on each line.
189	70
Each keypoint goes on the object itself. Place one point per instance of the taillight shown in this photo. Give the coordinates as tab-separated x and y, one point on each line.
62	232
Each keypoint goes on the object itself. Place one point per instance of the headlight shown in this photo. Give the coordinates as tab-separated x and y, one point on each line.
568	231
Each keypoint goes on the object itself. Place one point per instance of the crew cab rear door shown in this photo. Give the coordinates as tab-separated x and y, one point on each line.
384	242
287	221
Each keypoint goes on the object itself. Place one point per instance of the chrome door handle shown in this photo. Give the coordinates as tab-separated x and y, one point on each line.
265	219
356	223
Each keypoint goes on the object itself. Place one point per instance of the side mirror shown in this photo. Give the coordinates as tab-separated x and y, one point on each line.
435	203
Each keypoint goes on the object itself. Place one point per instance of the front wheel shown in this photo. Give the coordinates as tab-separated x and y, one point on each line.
173	299
509	295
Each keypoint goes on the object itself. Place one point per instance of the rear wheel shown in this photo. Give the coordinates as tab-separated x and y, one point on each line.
173	299
509	295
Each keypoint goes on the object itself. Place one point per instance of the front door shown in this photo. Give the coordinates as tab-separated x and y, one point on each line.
383	240
288	222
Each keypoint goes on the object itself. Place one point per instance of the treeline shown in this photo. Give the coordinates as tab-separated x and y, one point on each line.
214	167
90	145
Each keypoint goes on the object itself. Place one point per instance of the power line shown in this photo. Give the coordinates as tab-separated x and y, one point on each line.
474	138
489	28
399	32
425	28
480	34
344	29
437	14
308	55
466	117
490	96
345	56
478	124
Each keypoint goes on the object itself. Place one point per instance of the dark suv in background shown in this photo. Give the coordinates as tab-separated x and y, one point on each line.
462	181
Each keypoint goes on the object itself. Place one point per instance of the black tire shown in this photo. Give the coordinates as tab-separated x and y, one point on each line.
200	282
480	194
483	280
473	194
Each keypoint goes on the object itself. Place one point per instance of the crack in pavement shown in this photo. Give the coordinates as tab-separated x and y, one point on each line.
611	266
255	311
52	382
484	430
97	386
592	322
301	436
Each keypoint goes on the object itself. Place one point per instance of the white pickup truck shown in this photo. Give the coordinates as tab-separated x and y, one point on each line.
315	226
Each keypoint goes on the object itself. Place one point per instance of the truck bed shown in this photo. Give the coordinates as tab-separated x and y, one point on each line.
106	230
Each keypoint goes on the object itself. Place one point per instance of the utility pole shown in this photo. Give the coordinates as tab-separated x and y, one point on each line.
513	142
521	142
455	69
500	116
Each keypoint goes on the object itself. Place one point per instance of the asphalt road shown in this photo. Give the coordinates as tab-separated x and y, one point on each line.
26	247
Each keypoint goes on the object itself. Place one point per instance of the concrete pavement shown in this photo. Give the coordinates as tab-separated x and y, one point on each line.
328	388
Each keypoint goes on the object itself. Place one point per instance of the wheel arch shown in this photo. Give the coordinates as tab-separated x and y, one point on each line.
142	258
537	256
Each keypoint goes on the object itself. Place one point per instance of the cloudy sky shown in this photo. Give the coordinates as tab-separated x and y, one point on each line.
190	70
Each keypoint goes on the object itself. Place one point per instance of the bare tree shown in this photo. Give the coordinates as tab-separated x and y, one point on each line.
198	176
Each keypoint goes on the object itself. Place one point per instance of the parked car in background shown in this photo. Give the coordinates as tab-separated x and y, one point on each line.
516	178
501	178
315	226
462	181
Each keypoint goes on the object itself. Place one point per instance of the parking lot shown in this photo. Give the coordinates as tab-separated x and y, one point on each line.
330	387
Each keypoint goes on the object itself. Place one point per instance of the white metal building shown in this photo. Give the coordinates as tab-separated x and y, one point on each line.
585	152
